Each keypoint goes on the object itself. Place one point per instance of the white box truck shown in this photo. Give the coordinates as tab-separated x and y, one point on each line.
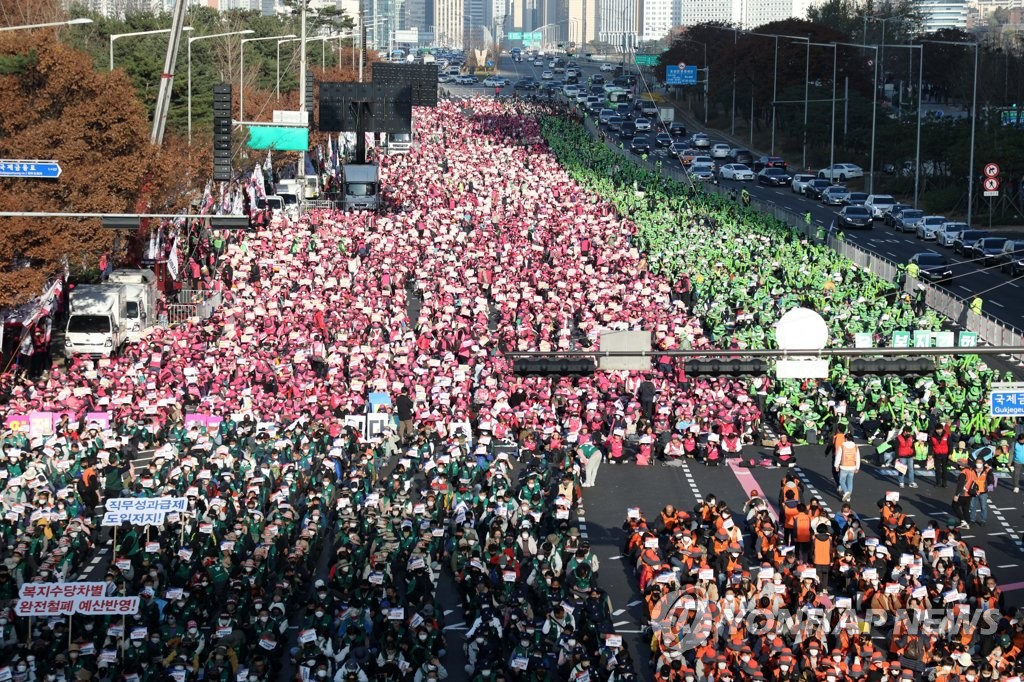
398	143
97	320
362	186
140	290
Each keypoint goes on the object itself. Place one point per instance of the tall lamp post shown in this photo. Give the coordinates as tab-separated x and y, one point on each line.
245	32
241	68
920	83
70	22
117	36
775	79
835	73
277	82
974	118
874	111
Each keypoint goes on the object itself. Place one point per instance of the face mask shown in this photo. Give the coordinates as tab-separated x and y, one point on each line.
22	668
264	619
224	622
322	594
193	631
319	614
152	574
423	637
89	627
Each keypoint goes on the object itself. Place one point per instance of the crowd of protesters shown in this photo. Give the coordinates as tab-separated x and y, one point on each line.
309	549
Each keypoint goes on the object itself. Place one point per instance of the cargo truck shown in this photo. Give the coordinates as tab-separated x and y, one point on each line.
361	187
140	293
97	323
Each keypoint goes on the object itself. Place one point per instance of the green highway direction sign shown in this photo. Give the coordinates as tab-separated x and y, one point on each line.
519	35
645	59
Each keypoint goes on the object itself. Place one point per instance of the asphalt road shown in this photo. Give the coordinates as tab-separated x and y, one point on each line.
1000	293
651	488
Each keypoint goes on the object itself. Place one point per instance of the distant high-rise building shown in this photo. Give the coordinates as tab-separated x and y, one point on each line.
940	14
449	23
657	18
742	13
618	24
582	21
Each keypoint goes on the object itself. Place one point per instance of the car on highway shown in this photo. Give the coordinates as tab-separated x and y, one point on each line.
701	141
643	124
736	171
494	82
662	139
677	148
640	145
834	195
774	177
965	241
878	203
677	129
856	217
702	171
986	251
800	181
467	80
593	104
688	156
742	156
581	97
597	79
570	91
909	219
934	266
526	84
615	124
445	78
720	151
889	216
539	63
1013	252
607	67
815	188
948	233
762	162
546	76
857	199
841	172
627	130
929	226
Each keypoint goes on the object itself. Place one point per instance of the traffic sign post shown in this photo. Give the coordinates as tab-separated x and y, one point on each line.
20	168
681	75
1006	399
991	170
645	59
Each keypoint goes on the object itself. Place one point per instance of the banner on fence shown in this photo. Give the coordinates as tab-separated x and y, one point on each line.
65	599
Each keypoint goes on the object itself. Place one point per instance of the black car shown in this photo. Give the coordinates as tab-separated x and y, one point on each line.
856	199
814	188
743	156
615	123
966	240
677	130
628	130
986	251
1015	267
934	266
891	214
857	217
597	79
770	162
775	177
526	84
640	145
663	139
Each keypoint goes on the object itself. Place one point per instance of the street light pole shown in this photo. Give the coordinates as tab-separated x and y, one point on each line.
775	80
241	68
117	36
807	95
26	27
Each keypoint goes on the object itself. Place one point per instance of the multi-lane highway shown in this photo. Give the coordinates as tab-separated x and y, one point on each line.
999	291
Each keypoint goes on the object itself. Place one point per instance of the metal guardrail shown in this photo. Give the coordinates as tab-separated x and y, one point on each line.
193	304
990	330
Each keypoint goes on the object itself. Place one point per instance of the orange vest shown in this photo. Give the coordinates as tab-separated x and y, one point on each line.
822	551
848	459
802	527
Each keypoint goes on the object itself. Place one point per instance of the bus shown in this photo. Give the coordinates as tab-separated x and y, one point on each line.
619	97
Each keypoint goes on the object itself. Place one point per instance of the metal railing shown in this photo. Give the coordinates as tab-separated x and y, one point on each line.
990	330
193	304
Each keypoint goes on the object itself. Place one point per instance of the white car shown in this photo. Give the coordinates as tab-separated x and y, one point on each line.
546	76
736	171
800	181
570	90
643	124
929	227
879	204
948	233
841	172
607	67
494	82
720	151
538	63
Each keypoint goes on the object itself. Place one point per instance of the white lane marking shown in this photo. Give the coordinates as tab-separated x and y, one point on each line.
998	304
1008	566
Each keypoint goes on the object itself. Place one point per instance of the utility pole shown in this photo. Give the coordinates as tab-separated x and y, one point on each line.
362	40
163	100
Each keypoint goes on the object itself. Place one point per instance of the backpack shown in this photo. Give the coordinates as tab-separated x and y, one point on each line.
914	650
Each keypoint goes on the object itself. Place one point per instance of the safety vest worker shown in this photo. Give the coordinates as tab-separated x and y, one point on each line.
849	456
976	305
914	270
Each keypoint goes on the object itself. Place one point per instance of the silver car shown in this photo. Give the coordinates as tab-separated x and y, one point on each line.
927	228
835	195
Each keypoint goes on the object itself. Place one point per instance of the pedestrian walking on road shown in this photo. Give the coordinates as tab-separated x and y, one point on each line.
1018	461
939	443
847	464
